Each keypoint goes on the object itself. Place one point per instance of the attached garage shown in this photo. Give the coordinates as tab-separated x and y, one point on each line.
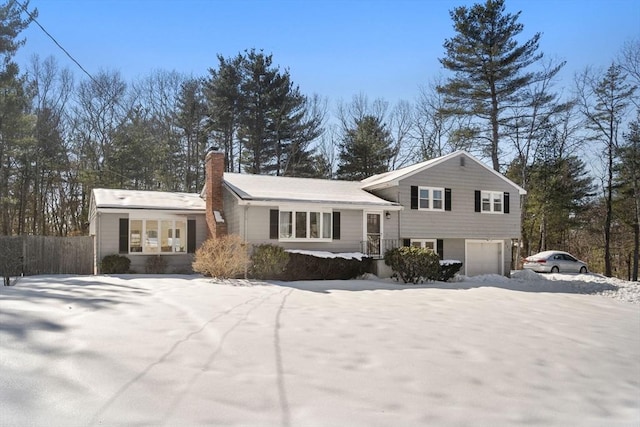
484	257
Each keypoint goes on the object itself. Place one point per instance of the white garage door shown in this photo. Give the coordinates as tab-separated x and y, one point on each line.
483	257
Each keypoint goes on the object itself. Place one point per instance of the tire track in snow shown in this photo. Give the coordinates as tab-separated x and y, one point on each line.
95	418
282	390
194	378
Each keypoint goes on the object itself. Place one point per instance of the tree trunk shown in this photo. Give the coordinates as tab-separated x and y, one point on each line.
607	224
494	129
636	244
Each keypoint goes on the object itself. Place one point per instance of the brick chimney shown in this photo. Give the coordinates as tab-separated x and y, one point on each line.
214	171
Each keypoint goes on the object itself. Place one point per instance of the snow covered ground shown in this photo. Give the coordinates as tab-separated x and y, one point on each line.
551	350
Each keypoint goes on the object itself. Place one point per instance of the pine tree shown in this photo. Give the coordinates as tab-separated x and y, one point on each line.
191	119
224	104
489	65
366	149
15	127
256	108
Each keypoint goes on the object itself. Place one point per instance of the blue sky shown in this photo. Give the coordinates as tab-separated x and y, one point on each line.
335	48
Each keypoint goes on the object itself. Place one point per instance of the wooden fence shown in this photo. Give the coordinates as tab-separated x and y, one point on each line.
31	255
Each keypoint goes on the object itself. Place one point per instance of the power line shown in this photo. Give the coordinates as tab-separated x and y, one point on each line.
33	18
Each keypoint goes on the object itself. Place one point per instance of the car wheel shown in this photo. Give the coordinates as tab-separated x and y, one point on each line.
583	270
555	269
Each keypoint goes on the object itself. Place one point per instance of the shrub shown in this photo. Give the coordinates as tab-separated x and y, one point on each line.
223	258
156	265
309	267
413	264
448	270
115	264
268	261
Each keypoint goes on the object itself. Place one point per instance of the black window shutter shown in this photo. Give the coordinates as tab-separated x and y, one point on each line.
440	247
406	242
273	224
123	246
336	226
506	202
478	207
447	199
414	197
191	236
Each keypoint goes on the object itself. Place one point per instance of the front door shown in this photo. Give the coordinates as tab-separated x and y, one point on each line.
373	233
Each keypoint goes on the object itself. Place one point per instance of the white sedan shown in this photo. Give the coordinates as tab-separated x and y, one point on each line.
555	262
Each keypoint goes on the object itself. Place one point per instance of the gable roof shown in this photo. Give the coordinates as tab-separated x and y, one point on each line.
139	199
257	189
392	178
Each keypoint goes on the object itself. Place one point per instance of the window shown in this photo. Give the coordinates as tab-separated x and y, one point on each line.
150	236
492	201
431	198
301	225
285	225
424	243
304	225
326	220
436	245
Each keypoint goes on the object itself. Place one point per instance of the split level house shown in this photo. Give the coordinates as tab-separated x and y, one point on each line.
454	204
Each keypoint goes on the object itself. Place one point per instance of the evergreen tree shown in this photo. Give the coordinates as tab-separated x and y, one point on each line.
256	108
191	119
16	128
627	182
298	157
489	65
559	197
134	156
366	149
224	104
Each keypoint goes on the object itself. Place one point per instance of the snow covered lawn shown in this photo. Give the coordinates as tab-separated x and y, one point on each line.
183	350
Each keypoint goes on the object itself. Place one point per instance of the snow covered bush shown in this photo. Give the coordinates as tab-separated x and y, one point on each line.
413	264
115	264
310	267
223	258
155	265
268	261
448	270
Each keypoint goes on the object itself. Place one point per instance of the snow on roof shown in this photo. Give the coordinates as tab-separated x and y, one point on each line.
391	178
137	199
289	189
400	173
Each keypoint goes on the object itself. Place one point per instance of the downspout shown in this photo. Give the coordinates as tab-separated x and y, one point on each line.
245	224
96	239
399	216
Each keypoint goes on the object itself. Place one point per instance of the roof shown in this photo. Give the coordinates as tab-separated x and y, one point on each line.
269	188
137	199
392	178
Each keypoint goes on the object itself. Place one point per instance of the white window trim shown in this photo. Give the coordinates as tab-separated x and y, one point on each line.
143	233
431	208
491	198
423	241
307	210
